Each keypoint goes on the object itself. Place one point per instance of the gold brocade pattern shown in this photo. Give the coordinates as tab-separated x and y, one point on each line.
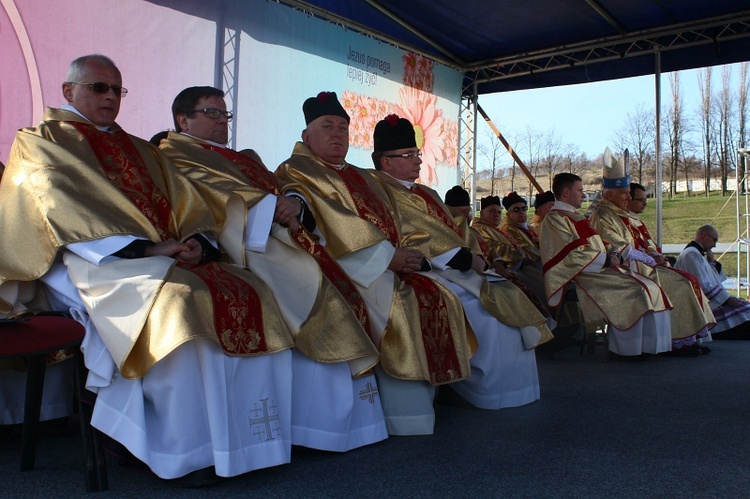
336	208
500	246
616	296
690	311
527	239
503	300
238	314
55	192
124	167
336	328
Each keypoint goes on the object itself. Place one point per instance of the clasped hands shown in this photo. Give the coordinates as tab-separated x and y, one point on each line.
190	251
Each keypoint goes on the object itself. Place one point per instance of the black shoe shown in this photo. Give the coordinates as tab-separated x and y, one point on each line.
691	351
197	479
704	350
625	358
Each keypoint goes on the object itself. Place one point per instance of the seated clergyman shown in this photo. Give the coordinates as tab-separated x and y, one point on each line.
732	314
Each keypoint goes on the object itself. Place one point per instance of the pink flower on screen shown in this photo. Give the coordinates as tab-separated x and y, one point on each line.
419	108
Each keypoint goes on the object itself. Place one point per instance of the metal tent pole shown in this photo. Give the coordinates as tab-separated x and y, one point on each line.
657	148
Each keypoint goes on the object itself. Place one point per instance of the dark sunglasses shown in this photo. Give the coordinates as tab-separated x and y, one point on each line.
99	87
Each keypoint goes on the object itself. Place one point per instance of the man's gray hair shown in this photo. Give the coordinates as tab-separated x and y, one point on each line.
77	68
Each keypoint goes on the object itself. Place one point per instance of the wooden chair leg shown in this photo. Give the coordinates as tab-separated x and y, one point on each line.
32	407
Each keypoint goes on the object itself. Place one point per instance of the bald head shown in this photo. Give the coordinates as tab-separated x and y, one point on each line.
707	236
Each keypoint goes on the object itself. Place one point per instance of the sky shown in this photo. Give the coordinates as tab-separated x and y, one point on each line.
587	115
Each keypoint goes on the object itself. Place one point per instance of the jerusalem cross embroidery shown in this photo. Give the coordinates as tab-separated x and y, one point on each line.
369	393
265	420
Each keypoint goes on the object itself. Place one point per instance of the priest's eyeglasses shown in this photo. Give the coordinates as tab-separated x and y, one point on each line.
406	155
214	113
516	209
99	87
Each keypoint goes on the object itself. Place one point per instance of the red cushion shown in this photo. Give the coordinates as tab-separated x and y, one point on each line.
42	334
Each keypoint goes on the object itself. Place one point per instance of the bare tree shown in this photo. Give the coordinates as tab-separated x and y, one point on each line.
675	131
637	135
530	152
742	103
725	115
552	155
491	151
704	86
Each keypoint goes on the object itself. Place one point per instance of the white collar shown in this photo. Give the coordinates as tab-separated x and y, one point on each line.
405	183
223	146
560	205
68	107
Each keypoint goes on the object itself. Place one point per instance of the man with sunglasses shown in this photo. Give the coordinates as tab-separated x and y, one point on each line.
690	315
417	324
732	314
125	243
504	366
515	226
334	355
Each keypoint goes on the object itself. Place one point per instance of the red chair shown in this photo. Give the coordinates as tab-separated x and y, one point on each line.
33	339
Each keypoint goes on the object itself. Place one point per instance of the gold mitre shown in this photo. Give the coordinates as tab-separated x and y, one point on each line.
615	174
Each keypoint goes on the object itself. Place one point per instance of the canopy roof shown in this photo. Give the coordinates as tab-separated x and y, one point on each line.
505	45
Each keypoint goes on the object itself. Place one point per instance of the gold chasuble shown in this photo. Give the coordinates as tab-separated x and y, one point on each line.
572	252
324	310
691	311
499	245
526	238
421	207
424	331
67	182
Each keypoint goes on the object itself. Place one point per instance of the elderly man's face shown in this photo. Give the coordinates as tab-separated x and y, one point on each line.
465	211
400	167
491	215
328	138
517	213
543	210
709	238
619	197
637	201
100	109
204	127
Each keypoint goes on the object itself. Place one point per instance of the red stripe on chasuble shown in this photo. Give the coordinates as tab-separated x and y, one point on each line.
238	313
260	178
436	210
639	242
482	246
336	275
369	206
256	173
584	231
124	167
442	358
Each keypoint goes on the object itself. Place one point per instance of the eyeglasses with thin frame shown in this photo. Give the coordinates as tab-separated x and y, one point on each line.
406	155
99	87
214	113
517	209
